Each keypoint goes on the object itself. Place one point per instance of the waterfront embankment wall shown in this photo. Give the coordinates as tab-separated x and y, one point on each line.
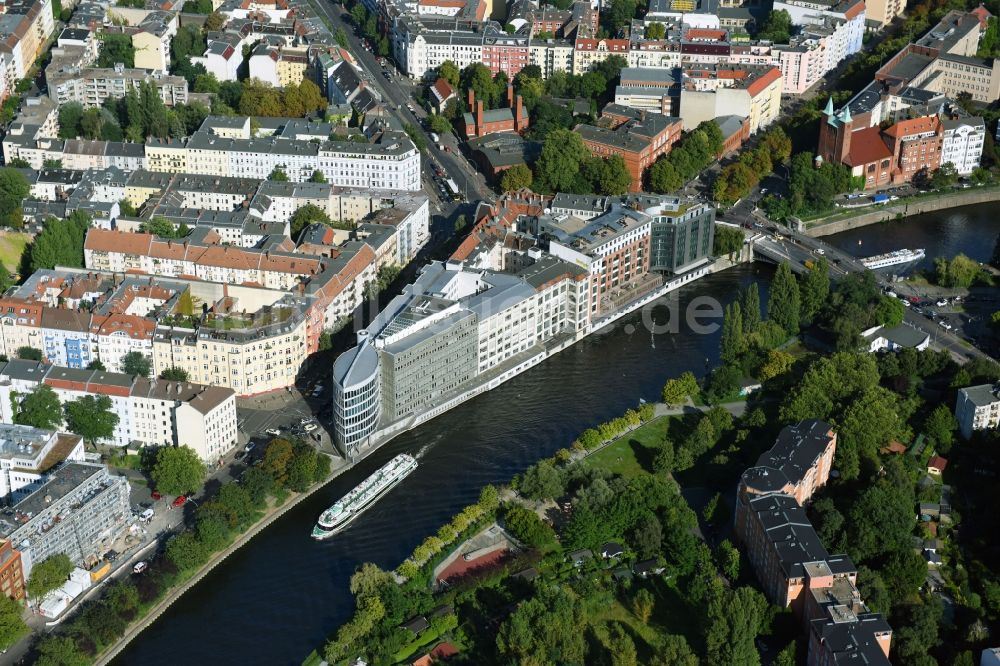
844	221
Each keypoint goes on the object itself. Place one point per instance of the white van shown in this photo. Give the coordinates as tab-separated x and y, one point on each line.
146	515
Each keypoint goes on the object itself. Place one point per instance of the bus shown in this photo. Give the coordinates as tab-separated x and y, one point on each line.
455	195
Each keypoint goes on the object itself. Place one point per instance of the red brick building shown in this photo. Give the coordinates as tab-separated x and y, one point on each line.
640	138
791	563
479	122
11	573
882	157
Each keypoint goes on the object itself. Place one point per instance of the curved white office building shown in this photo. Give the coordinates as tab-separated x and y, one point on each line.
357	402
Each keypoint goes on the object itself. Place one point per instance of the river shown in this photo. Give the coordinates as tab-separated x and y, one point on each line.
280	596
971	230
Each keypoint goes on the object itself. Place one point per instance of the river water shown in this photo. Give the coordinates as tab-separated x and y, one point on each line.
971	230
280	596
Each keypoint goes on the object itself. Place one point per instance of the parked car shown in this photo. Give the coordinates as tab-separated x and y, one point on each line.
147	515
945	325
318	391
140	567
310	427
942	302
156	495
251	444
179	501
273	432
111	555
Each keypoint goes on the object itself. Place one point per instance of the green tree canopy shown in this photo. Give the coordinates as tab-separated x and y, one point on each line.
178	470
175	374
777	28
39	408
449	72
92	417
515	178
559	163
57	650
49	574
735	619
115	48
679	389
136	364
12	627
14	190
542	481
27	353
783	307
306	215
544	629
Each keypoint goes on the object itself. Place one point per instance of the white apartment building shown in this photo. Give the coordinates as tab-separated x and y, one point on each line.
28	455
393	162
962	144
977	408
150	412
423	50
80	510
92	86
222	58
551	55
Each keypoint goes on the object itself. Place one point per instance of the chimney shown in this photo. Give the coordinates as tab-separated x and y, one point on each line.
510	96
479	119
472	100
519	115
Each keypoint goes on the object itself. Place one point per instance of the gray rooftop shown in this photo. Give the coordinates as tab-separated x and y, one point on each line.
982	395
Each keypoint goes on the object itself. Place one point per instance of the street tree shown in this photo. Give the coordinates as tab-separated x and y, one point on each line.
39	408
92	417
12	627
57	650
49	574
277	457
178	470
186	552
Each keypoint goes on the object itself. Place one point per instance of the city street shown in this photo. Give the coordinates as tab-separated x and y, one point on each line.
397	93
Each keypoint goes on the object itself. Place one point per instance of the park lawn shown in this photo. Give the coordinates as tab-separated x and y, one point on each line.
11	248
616	612
631	454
